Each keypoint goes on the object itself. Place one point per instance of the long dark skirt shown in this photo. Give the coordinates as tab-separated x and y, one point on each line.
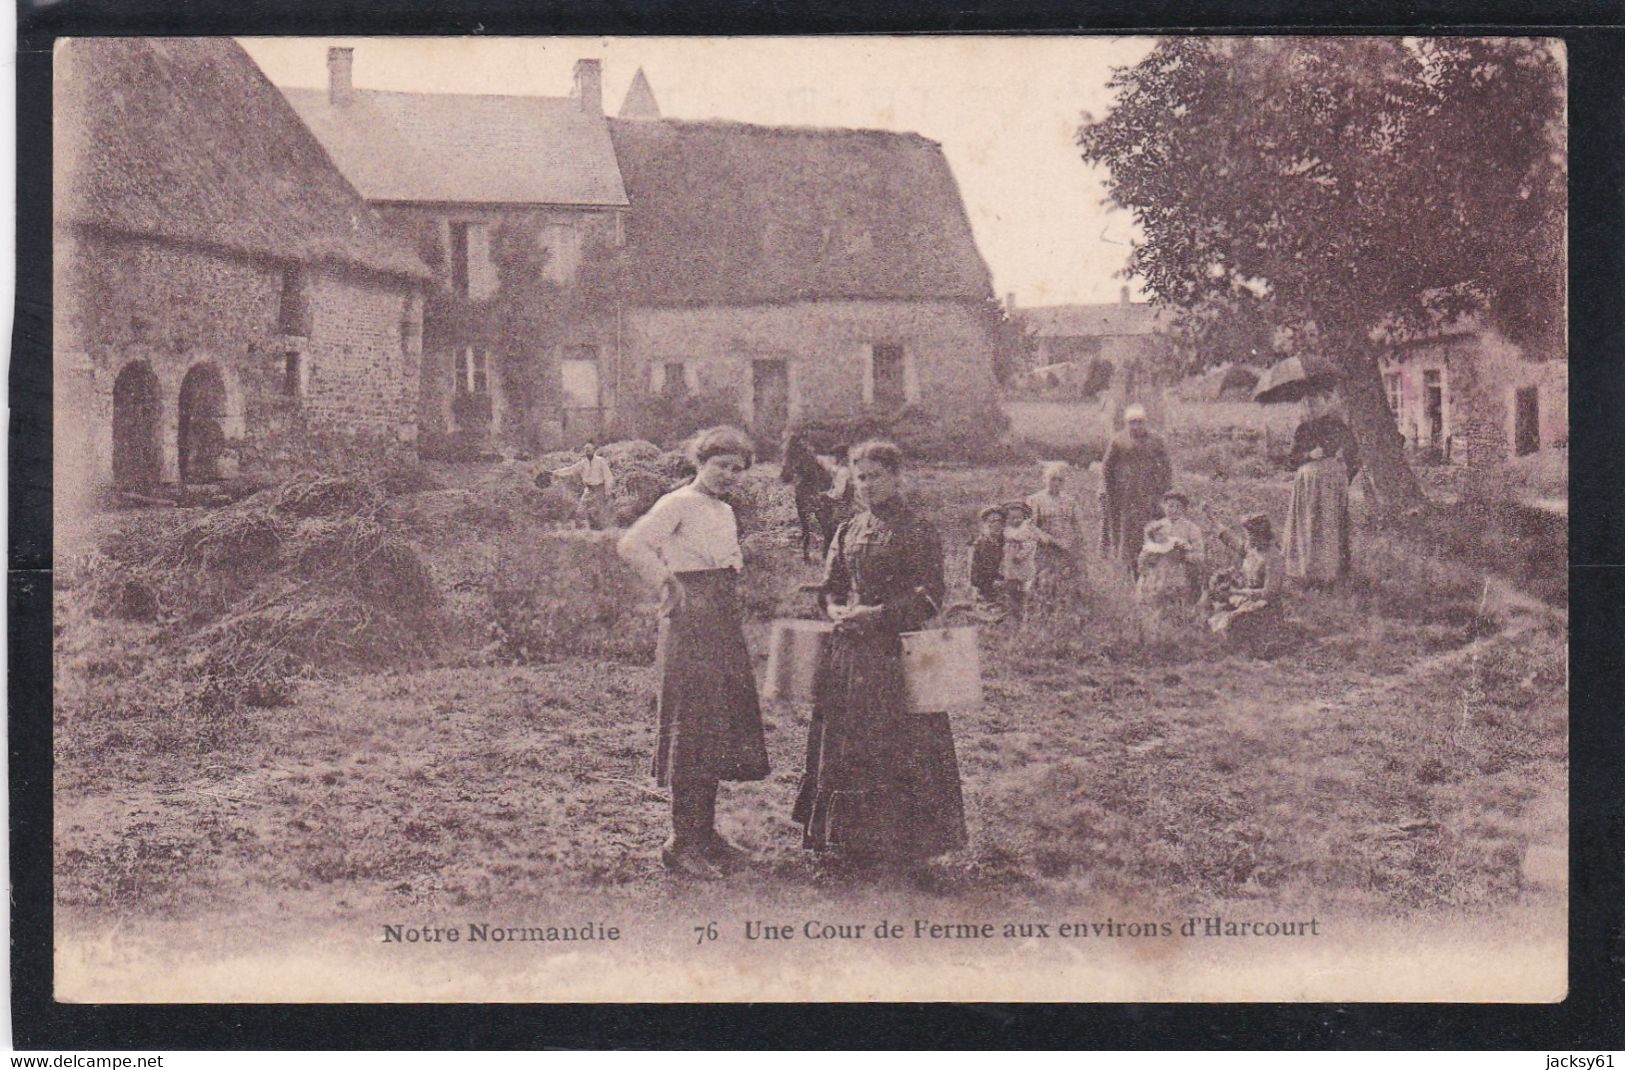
710	722
880	781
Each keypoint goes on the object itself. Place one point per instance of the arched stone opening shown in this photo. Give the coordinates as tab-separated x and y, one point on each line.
202	431
137	459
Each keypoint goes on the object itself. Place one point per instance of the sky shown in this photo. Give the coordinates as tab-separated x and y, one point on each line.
1005	109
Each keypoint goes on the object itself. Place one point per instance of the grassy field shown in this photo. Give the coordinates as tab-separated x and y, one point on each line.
1404	758
282	750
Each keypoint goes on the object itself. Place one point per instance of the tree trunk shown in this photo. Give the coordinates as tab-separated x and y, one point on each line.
1381	448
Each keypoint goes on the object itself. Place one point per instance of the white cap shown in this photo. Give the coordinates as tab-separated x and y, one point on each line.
1134	412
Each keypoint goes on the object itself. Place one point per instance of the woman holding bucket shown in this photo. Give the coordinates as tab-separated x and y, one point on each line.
710	725
881	783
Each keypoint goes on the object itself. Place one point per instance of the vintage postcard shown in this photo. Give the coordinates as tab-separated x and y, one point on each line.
861	518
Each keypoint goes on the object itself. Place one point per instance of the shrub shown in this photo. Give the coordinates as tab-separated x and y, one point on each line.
566	595
670	420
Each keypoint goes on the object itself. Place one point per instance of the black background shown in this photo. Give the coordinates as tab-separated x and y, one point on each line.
1591	1017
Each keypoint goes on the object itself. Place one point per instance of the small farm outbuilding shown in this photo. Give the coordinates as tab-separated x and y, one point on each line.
225	302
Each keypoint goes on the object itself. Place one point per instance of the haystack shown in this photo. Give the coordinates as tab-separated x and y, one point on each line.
304	575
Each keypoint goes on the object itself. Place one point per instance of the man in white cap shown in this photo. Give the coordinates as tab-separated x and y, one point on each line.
1134	476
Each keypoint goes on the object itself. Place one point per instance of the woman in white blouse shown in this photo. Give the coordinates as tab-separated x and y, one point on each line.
710	725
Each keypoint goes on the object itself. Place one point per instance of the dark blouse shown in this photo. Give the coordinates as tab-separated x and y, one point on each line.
888	557
987	562
1329	433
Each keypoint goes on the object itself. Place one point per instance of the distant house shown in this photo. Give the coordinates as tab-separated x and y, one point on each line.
1129	336
804	273
1118	331
1469	396
224	300
451	171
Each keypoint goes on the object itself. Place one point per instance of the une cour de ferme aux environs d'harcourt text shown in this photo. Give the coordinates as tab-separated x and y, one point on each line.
916	929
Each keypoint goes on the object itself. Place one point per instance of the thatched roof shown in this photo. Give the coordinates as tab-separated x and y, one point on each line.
465	147
183	139
1117	319
732	214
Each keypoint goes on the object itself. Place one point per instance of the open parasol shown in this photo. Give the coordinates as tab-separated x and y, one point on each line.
1294	379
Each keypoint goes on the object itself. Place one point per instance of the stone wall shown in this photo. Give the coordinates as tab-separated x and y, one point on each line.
825	345
166	309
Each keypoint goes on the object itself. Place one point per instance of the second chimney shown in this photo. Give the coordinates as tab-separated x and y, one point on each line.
589	87
1122	295
340	65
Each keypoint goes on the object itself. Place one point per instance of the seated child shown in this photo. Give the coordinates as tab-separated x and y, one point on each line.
1020	555
1248	599
1173	560
987	563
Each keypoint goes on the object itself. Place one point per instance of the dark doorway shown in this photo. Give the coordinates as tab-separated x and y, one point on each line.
1526	425
1433	406
202	417
770	398
890	392
136	460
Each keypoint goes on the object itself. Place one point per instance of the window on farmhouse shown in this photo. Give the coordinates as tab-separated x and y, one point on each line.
469	372
293	380
1390	383
293	311
674	381
459	258
411	328
888	370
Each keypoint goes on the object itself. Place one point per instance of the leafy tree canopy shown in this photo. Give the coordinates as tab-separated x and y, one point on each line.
1357	185
1357	182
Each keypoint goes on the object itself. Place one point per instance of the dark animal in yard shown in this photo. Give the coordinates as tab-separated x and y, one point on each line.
803	471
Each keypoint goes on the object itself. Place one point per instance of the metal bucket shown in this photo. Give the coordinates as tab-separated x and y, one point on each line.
942	670
793	654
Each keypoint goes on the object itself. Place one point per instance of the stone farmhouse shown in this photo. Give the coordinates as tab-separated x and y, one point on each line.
458	175
806	274
1470	397
224	301
792	272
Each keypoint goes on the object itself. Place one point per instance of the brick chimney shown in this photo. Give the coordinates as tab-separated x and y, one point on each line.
1122	295
340	85
589	86
1010	303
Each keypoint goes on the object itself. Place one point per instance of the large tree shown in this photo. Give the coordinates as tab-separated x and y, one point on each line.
1363	186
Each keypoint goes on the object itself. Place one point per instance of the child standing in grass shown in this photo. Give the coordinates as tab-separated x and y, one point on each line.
987	563
1057	568
1020	556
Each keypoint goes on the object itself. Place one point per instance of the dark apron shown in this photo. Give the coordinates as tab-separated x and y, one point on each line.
710	721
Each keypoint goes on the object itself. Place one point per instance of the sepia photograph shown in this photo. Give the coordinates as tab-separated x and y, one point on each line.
852	518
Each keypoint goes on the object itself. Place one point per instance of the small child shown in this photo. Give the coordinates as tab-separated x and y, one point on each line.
1020	555
987	563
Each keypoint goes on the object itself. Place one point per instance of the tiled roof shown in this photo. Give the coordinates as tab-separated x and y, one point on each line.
465	148
732	213
184	139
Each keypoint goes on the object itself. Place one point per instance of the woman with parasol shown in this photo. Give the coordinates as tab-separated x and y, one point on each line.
1318	541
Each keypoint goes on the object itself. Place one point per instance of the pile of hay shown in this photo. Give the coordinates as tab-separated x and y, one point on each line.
301	578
